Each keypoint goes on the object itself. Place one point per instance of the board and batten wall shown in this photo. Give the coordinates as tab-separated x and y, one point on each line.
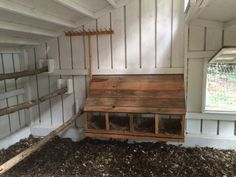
12	92
148	39
205	38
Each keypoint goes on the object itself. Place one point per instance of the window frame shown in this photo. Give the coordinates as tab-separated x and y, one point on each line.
204	87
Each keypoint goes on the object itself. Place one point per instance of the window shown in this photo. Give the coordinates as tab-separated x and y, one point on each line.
220	94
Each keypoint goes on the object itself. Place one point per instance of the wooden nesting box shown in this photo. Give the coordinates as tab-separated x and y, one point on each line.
149	107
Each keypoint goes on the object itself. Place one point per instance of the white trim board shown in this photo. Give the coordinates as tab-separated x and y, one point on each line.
201	54
72	132
211	116
11	93
14	138
210	141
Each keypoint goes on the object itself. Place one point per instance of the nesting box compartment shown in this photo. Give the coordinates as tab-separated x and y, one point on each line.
146	107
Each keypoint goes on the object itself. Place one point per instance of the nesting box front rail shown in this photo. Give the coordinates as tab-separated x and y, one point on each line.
150	107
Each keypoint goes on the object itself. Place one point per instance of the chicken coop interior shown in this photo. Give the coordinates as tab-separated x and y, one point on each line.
156	71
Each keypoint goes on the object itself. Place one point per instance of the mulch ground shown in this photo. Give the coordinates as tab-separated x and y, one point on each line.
95	158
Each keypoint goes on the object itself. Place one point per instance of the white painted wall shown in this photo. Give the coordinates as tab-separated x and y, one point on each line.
11	93
205	38
148	39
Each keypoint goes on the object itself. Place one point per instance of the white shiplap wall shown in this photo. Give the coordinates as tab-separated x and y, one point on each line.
11	93
205	38
148	39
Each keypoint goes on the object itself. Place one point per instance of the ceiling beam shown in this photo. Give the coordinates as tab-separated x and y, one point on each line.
77	6
113	3
34	13
17	41
9	26
230	24
196	8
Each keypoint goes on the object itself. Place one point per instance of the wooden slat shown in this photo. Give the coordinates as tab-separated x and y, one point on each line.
136	85
18	158
140	78
85	120
137	102
32	103
183	125
131	122
120	135
136	93
131	109
107	121
25	73
157	118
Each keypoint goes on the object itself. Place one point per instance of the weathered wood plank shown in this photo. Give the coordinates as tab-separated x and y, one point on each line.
25	73
31	103
137	102
18	158
136	93
135	109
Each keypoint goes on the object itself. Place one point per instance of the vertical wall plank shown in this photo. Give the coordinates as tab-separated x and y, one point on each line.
148	33
178	34
209	127
118	39
226	128
65	61
132	32
104	45
43	87
164	8
57	117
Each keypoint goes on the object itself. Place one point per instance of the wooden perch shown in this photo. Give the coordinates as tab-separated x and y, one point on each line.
89	33
18	158
24	73
31	103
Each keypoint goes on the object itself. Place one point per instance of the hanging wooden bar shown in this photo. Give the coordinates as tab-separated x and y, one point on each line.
32	103
26	153
89	33
24	73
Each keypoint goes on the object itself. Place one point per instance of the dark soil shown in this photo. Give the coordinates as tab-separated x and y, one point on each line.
94	158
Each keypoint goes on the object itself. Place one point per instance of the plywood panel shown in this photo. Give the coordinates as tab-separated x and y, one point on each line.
164	14
148	33
193	126
226	128
195	81
209	127
213	39
229	38
196	38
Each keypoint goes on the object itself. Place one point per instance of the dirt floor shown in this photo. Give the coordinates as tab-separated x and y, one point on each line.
94	158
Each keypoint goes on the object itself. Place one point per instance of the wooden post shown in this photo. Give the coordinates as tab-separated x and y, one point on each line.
183	125
18	158
32	103
90	58
131	122
25	73
107	121
85	121
157	118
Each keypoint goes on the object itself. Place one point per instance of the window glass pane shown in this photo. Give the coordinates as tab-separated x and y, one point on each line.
221	87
